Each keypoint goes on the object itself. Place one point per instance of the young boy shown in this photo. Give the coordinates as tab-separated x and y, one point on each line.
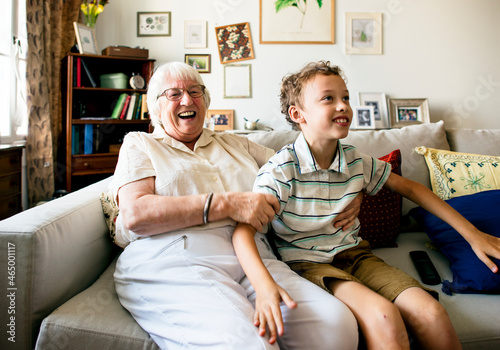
314	179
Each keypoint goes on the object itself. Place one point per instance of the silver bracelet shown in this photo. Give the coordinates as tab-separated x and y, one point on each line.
206	209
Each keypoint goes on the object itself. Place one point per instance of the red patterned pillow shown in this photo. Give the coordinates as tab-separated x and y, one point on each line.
380	215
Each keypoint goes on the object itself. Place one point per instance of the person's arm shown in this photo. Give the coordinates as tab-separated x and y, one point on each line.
269	293
146	213
482	244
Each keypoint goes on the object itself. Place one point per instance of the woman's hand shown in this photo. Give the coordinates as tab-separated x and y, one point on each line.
268	312
255	209
348	216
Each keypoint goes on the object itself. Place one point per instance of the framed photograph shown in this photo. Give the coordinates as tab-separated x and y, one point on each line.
237	81
379	103
86	39
364	117
363	33
195	34
222	118
292	22
154	23
234	42
200	62
405	112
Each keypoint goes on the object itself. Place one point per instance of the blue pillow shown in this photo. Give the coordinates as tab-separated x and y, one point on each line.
470	275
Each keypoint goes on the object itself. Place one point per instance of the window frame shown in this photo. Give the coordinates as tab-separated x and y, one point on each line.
18	53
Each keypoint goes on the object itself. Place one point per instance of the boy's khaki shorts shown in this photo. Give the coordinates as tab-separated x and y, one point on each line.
361	265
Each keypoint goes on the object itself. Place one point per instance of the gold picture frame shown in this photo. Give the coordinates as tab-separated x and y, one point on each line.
406	112
234	42
223	119
200	62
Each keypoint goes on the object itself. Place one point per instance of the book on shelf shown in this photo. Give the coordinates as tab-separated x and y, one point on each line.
123	113
78	72
87	71
144	107
75	140
131	106
138	106
88	139
119	106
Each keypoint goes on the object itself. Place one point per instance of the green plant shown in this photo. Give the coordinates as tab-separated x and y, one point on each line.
300	5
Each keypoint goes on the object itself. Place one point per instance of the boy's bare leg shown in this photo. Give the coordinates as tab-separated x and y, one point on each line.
427	320
379	319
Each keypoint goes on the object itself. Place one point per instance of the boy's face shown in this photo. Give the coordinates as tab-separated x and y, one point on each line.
326	112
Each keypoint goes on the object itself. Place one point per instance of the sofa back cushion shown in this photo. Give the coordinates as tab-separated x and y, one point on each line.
486	142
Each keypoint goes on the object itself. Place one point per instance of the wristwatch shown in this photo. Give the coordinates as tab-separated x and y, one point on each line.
137	82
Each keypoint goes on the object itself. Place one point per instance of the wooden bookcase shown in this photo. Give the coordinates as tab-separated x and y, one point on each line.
87	106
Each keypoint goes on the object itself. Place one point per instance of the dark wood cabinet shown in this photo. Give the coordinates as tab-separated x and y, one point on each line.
10	180
89	106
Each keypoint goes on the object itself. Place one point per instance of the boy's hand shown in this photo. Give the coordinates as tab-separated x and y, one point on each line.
268	312
348	216
484	246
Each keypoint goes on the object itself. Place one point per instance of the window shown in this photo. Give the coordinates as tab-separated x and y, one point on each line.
13	53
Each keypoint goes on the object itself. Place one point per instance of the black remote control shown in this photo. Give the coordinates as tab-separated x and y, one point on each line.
425	267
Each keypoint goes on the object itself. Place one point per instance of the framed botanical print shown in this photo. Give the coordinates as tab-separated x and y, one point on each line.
297	22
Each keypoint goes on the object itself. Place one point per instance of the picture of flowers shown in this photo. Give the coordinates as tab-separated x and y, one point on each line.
297	22
234	42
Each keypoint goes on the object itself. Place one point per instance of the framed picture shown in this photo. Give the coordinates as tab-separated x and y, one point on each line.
237	81
292	22
222	118
200	62
195	34
234	42
86	39
405	112
379	103
364	117
363	33
154	23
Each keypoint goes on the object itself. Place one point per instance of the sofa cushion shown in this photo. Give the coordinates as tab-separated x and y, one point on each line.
455	174
474	316
474	141
380	215
94	319
377	143
470	275
110	211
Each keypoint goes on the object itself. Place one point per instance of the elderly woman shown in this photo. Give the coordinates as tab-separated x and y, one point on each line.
181	191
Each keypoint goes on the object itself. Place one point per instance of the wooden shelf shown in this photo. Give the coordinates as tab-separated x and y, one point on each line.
87	105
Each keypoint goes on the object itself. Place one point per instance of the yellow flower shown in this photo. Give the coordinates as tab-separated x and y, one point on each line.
91	9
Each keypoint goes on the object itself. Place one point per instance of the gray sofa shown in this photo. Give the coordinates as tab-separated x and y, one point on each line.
61	293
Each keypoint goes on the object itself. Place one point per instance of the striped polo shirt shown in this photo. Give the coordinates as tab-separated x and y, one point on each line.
310	198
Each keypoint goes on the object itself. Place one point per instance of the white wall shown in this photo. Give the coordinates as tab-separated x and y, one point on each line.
445	50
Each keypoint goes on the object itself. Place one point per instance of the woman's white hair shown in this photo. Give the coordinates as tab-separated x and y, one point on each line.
158	82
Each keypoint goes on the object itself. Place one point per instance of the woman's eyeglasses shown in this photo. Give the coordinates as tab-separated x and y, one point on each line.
175	94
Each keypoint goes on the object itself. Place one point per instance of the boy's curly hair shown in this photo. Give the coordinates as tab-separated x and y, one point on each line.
292	85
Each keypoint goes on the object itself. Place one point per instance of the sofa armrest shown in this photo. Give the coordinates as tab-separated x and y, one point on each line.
48	254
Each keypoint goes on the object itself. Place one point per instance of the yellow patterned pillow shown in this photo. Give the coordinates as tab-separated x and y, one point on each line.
456	174
111	211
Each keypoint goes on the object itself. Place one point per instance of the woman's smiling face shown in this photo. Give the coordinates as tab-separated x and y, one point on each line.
183	119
